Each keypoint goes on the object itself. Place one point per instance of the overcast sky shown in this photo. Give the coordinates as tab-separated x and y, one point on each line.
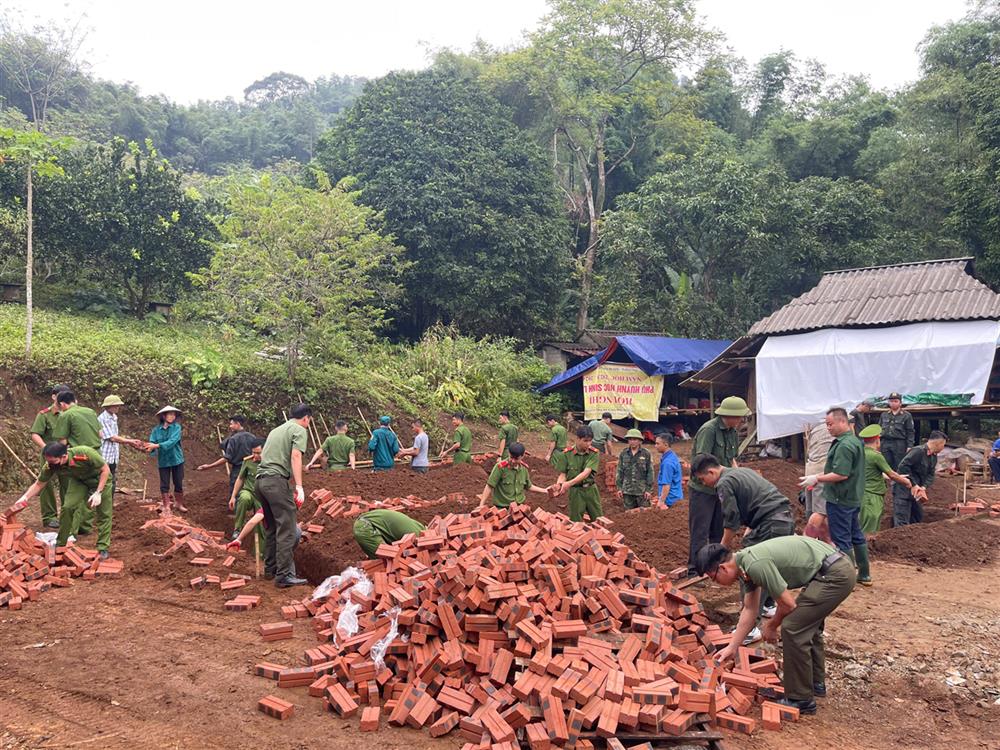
211	49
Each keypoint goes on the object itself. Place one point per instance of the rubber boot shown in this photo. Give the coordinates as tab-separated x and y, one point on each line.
864	567
165	503
179	502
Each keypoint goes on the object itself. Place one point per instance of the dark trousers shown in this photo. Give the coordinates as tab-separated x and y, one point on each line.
845	526
280	536
893	451
995	468
802	631
704	522
634	501
114	479
234	473
905	510
175	473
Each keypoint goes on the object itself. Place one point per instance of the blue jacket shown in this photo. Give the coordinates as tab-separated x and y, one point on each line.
168	437
670	473
383	446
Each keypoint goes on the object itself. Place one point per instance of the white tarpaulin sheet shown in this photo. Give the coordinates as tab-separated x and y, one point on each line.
799	377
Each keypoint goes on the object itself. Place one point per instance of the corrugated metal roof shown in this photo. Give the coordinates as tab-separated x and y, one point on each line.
887	295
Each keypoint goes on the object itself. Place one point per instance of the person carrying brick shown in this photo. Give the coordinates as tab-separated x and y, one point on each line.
337	450
718	437
88	482
281	461
462	447
235	448
384	445
920	465
243	500
748	502
43	433
843	481
634	476
508	434
165	442
559	438
383	527
601	429
77	426
776	566
508	480
581	462
876	470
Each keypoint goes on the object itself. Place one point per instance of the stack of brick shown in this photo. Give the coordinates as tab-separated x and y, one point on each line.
608	471
975	507
517	625
352	506
29	568
194	538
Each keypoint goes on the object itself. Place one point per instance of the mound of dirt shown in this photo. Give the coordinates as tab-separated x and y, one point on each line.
962	543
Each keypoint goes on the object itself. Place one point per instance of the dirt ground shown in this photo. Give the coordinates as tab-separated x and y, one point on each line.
146	661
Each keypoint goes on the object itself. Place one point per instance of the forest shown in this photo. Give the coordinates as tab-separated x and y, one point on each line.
615	169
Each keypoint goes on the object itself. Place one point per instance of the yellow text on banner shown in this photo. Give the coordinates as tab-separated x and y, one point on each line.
623	390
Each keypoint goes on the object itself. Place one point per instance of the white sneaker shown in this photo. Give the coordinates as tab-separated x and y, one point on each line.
753	635
769	611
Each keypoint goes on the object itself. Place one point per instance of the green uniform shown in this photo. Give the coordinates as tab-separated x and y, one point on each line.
791	562
508	433
898	436
383	527
558	461
44	426
634	477
583	497
847	458
78	425
463	436
602	433
714	438
559	437
750	500
873	502
276	458
82	473
338	450
276	498
246	499
508	480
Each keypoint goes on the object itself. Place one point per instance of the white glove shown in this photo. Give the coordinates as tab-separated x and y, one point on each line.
809	481
21	504
300	496
94	500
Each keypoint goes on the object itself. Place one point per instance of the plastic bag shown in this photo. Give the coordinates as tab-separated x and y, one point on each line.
363	585
47	537
379	649
347	623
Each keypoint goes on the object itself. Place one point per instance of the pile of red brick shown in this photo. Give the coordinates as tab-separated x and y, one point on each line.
28	568
516	625
196	539
351	506
975	507
608	471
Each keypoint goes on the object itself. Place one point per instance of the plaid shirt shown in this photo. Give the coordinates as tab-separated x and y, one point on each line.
109	429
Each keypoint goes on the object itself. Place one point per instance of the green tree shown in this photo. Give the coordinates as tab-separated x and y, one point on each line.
593	63
305	267
468	195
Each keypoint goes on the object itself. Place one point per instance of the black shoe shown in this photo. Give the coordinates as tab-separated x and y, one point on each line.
268	575
284	583
52	524
104	554
806	708
819	689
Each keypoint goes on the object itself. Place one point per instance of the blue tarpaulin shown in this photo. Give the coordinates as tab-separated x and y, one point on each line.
654	355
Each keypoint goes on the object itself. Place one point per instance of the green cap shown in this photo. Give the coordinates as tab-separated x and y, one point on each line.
385	420
871	431
633	433
733	406
112	400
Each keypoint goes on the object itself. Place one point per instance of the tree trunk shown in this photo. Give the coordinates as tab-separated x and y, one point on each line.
28	264
595	196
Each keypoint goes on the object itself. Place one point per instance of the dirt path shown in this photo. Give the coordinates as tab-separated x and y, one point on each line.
145	661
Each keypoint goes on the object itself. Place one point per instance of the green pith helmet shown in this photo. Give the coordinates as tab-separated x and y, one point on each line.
733	406
871	431
633	433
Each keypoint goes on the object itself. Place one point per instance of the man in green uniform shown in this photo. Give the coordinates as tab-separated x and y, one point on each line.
383	527
281	460
559	438
244	500
337	450
778	565
634	476
462	447
919	465
717	437
88	482
876	469
508	434
77	425
843	480
508	480
43	433
601	429
898	434
581	463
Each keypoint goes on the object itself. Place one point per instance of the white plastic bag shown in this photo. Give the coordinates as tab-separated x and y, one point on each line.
363	585
379	649
46	537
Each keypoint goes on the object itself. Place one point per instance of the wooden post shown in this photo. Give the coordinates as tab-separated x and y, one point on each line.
218	432
711	399
256	553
